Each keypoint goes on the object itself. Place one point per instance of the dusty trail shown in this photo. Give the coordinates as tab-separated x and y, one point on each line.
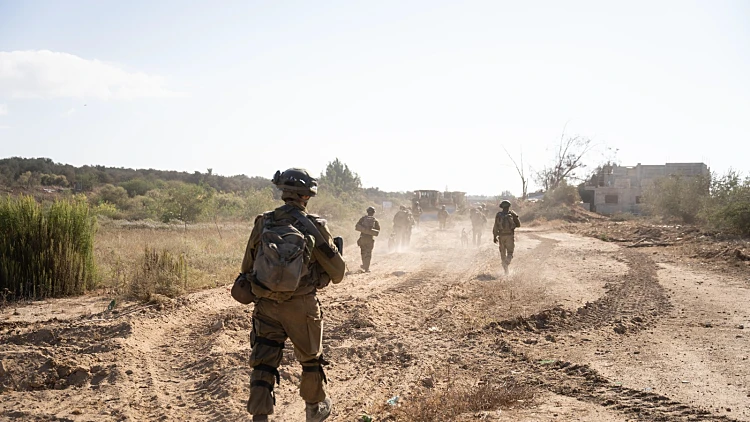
605	334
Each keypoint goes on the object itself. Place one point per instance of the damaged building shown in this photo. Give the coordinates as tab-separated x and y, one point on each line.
620	188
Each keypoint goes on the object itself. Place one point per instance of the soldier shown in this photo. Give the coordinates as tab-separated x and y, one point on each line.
442	216
410	227
369	227
506	223
284	291
478	220
402	223
416	210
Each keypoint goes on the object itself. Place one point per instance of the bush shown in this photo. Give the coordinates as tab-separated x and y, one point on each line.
729	206
259	201
563	194
160	272
680	197
46	252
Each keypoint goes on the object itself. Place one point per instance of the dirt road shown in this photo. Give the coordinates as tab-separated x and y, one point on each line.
599	332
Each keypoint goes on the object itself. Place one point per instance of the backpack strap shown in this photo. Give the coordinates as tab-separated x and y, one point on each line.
320	242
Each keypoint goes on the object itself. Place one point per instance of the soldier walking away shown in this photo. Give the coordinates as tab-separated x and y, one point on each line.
506	223
402	223
416	210
407	237
368	227
281	274
442	216
478	220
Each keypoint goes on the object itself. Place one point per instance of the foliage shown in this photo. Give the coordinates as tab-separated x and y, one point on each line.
46	252
160	272
106	209
91	177
114	195
185	202
562	194
138	187
681	197
729	207
54	180
338	178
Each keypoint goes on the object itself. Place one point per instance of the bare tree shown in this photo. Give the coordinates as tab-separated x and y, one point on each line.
519	169
568	158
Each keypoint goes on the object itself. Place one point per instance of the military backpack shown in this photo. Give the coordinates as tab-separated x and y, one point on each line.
506	223
283	257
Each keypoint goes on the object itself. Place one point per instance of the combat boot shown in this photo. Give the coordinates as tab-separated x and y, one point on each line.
317	412
260	418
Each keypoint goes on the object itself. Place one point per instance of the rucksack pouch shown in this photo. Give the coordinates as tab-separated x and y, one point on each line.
280	262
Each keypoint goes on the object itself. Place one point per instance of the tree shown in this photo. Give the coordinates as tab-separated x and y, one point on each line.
568	158
338	178
186	202
524	179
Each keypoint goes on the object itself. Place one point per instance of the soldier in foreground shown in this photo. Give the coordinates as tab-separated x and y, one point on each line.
506	223
281	272
442	216
368	227
478	220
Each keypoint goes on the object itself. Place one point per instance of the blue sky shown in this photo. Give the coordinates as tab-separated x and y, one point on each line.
412	95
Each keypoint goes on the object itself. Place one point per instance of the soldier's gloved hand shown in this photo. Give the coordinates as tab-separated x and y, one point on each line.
495	240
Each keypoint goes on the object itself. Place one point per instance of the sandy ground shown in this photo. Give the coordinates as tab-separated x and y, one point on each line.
601	333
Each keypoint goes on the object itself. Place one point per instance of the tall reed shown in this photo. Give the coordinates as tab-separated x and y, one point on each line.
46	252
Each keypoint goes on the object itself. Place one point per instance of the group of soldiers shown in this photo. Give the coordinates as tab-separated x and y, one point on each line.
292	254
503	230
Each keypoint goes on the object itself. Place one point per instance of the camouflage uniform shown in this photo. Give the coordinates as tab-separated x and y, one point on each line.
402	223
478	220
505	237
442	216
369	227
416	210
300	319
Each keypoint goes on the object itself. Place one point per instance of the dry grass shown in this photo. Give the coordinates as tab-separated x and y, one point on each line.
493	297
213	253
449	402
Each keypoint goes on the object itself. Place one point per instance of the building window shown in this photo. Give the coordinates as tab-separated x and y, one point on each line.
637	199
610	199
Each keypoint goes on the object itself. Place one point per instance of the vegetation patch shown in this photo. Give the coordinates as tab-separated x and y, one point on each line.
449	402
46	252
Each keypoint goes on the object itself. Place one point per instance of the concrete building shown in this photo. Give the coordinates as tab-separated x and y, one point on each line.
620	188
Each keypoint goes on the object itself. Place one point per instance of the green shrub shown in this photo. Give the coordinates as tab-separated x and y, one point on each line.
563	194
729	205
680	197
46	252
259	201
105	209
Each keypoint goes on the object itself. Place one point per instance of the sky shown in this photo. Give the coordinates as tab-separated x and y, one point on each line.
410	95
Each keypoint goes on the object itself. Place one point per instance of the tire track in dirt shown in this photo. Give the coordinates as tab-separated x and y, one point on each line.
632	302
585	384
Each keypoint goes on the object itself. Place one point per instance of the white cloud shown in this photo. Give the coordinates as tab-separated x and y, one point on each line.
4	127
48	74
69	112
3	109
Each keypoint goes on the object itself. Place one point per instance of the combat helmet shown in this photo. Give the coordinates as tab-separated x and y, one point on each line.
505	204
370	210
296	180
